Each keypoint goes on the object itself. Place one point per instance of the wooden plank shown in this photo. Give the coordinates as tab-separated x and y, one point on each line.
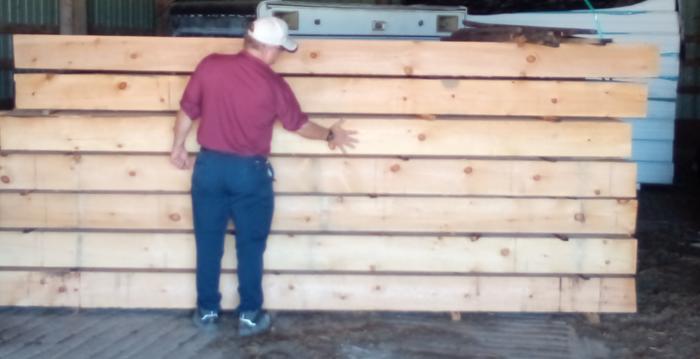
331	175
343	95
418	254
42	289
617	293
348	57
330	213
376	136
332	292
662	22
663	89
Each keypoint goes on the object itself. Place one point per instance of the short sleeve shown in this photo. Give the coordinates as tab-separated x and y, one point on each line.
191	102
288	108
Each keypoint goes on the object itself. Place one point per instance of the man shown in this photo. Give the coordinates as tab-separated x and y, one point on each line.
237	98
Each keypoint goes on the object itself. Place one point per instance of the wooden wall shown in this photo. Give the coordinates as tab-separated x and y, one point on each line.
488	177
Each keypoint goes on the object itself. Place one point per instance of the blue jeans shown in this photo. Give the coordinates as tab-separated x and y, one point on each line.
224	187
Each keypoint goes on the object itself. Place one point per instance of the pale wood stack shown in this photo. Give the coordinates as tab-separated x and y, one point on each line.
488	177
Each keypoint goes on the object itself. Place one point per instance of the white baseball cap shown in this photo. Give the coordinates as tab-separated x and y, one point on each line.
272	31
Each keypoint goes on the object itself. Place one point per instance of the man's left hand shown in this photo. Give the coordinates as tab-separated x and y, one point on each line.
342	138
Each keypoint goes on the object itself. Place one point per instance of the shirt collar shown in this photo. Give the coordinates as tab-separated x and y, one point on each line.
245	54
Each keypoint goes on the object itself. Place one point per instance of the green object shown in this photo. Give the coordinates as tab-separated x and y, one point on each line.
29	15
6	83
595	17
121	17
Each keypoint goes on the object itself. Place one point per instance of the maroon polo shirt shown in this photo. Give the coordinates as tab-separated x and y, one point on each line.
237	99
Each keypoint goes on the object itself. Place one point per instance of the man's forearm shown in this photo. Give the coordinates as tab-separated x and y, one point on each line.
183	124
314	131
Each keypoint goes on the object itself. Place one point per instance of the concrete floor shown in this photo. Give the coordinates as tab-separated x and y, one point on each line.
61	333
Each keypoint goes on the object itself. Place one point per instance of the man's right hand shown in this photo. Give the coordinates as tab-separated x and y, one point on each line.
180	158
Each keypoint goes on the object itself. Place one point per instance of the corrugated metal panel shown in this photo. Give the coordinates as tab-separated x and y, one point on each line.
21	16
688	104
121	17
6	84
29	15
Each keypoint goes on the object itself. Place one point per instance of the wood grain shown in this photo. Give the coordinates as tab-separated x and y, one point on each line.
326	292
347	95
377	135
330	213
347	57
339	253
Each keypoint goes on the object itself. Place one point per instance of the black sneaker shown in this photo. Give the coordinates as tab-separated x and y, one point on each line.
205	319
253	322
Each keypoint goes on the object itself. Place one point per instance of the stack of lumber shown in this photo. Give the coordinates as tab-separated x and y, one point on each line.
550	36
650	21
469	190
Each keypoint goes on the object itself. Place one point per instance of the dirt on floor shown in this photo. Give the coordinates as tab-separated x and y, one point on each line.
668	282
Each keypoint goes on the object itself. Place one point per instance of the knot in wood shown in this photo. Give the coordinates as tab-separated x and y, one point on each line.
555	100
597	192
536	177
313	55
531	58
468	170
122	85
422	137
134	55
408	70
395	168
562	237
175	217
5	179
580	217
132	173
505	252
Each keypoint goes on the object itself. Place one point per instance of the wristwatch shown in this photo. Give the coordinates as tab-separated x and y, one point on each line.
330	135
